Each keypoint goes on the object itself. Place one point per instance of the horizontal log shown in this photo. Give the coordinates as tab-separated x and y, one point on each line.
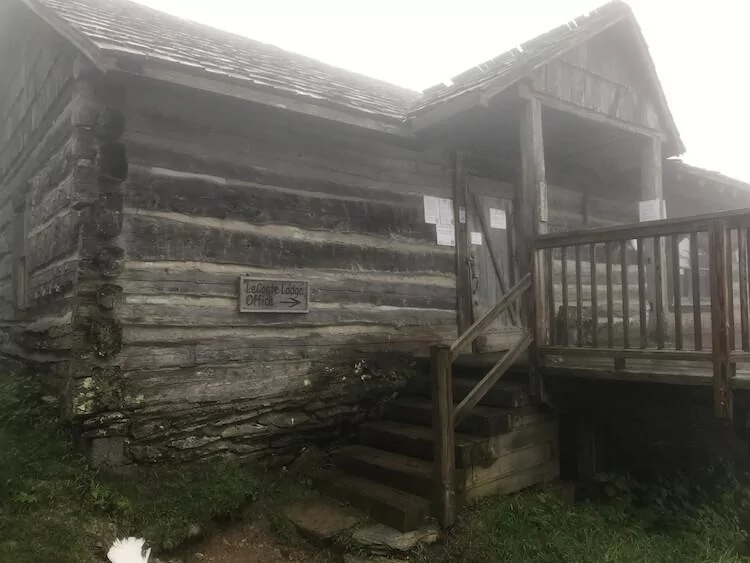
279	347
184	238
157	336
324	287
217	311
57	238
77	188
269	140
263	204
239	161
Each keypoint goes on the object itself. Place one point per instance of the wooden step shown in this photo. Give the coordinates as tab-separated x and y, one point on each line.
406	473
392	507
505	394
481	420
417	441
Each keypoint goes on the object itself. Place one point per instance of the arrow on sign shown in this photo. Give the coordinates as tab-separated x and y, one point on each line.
292	303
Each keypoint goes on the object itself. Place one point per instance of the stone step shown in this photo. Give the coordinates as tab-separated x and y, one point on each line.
505	394
402	472
392	507
481	420
417	441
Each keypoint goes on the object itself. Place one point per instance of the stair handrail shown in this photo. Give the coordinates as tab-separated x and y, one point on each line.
445	417
476	329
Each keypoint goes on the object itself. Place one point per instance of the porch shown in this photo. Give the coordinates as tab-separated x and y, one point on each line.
664	301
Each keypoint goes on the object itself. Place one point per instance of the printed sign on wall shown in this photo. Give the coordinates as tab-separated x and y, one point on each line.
274	296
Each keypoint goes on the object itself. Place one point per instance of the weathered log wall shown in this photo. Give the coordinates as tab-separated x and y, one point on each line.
41	161
216	189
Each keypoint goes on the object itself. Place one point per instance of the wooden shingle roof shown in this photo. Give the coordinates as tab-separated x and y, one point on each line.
125	29
124	35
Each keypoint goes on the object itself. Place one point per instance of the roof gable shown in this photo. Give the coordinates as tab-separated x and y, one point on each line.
487	80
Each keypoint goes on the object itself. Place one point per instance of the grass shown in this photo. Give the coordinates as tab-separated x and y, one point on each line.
661	523
53	508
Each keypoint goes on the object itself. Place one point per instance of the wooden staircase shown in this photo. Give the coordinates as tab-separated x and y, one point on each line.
503	444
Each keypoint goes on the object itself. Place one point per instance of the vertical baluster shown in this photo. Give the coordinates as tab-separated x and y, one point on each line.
724	370
659	290
594	299
579	297
564	270
625	293
551	298
677	292
642	311
730	289
610	298
696	283
744	321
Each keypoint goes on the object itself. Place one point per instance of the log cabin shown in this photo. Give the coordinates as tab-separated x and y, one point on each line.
211	246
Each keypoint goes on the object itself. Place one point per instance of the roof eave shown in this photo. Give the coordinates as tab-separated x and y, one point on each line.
87	47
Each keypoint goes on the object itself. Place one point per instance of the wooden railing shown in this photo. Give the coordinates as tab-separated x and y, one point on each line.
445	416
628	286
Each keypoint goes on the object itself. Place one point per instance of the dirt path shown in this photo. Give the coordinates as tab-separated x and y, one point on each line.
253	542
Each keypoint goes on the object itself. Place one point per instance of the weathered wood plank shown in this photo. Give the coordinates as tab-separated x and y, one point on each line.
610	297
625	294
579	298
659	293
730	290
642	299
565	315
696	283
594	298
744	289
676	292
551	310
723	369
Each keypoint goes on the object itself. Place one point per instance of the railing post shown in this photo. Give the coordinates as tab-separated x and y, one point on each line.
723	369
444	435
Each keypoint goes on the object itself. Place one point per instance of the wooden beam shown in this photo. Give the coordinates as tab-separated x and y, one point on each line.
463	252
551	102
533	207
656	274
629	353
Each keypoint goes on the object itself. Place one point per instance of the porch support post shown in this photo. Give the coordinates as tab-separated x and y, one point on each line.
463	272
652	188
533	213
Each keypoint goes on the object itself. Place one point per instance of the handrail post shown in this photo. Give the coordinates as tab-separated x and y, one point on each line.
444	435
723	407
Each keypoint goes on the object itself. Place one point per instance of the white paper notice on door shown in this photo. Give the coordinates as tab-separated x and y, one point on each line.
446	235
497	219
476	238
431	210
652	210
445	211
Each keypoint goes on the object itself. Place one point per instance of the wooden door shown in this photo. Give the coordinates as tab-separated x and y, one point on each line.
491	258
